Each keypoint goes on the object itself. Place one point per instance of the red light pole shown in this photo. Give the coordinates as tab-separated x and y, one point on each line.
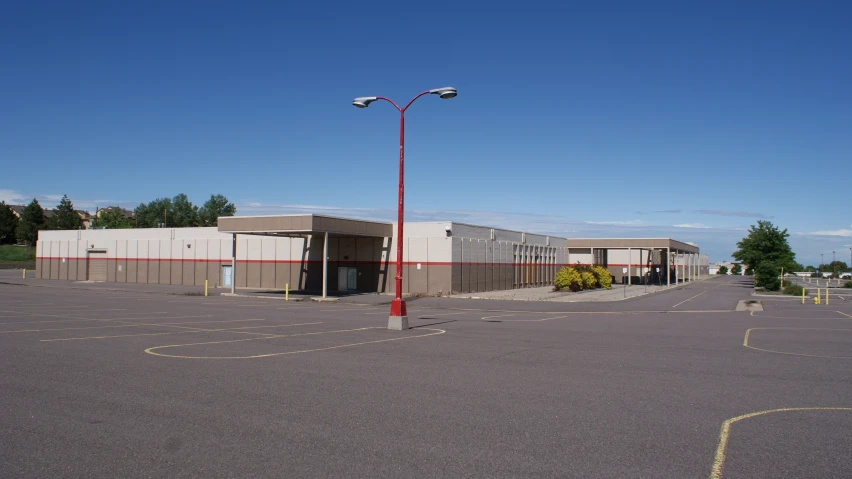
398	319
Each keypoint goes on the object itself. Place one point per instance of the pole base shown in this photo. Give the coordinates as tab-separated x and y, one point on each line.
398	319
398	323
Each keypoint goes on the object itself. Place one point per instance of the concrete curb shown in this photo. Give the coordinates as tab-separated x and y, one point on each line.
238	295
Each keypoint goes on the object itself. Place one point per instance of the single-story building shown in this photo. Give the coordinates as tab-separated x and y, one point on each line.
319	253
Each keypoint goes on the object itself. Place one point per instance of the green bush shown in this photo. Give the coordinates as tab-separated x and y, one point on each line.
848	284
590	281
794	289
766	276
603	277
566	277
722	270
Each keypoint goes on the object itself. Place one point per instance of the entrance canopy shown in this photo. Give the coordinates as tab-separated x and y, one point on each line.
667	247
302	226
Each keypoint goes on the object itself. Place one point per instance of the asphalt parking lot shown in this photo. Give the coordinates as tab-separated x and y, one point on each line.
102	383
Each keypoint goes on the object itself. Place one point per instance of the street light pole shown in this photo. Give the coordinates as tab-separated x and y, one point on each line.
398	318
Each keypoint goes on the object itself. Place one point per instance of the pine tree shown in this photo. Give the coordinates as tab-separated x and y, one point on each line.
8	223
32	220
65	217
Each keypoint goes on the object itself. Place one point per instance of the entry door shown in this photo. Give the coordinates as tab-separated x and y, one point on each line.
352	280
347	278
97	267
227	275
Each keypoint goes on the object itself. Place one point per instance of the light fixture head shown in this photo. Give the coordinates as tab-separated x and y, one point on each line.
363	101
445	93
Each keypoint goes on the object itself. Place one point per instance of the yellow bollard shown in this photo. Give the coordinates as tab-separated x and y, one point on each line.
803	295
826	296
287	292
24	271
205	287
816	298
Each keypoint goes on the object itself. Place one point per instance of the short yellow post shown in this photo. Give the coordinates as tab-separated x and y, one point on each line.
24	273
803	295
816	299
205	287
826	295
287	292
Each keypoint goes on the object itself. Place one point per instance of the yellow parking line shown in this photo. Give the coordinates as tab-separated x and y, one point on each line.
151	350
719	458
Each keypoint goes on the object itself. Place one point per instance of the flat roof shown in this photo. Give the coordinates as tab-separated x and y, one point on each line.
274	225
624	243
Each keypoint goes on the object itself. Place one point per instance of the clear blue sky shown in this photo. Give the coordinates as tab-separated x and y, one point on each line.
573	118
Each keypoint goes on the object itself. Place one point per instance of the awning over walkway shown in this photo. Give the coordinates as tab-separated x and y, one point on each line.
283	225
635	243
302	226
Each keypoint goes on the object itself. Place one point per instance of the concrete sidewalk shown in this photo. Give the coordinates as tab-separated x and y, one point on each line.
545	293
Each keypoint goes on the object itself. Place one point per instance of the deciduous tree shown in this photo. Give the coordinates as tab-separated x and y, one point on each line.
765	243
213	208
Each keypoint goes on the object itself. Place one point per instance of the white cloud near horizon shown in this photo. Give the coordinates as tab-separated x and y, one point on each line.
840	232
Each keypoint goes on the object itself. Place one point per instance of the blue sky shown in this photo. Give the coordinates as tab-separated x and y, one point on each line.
576	119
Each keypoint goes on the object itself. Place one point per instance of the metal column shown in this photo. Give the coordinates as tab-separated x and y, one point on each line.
629	260
668	269
233	263
325	266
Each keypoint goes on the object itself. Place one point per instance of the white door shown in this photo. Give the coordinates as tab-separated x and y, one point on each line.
226	275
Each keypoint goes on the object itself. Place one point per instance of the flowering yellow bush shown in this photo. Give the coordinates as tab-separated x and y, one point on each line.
603	276
566	277
589	280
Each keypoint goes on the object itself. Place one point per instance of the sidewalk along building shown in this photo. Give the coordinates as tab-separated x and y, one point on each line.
322	254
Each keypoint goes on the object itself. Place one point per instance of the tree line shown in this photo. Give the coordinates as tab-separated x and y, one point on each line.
177	212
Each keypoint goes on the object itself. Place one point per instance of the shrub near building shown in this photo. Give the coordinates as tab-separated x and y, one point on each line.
582	277
603	276
568	278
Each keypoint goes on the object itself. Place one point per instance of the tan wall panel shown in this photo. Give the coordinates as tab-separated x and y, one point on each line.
267	275
282	275
132	268
418	279
252	280
199	273
440	279
110	269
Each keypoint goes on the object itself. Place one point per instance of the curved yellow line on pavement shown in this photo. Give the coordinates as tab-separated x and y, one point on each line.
719	458
152	350
748	332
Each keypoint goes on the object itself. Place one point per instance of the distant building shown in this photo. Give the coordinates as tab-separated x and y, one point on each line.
714	268
129	214
85	216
